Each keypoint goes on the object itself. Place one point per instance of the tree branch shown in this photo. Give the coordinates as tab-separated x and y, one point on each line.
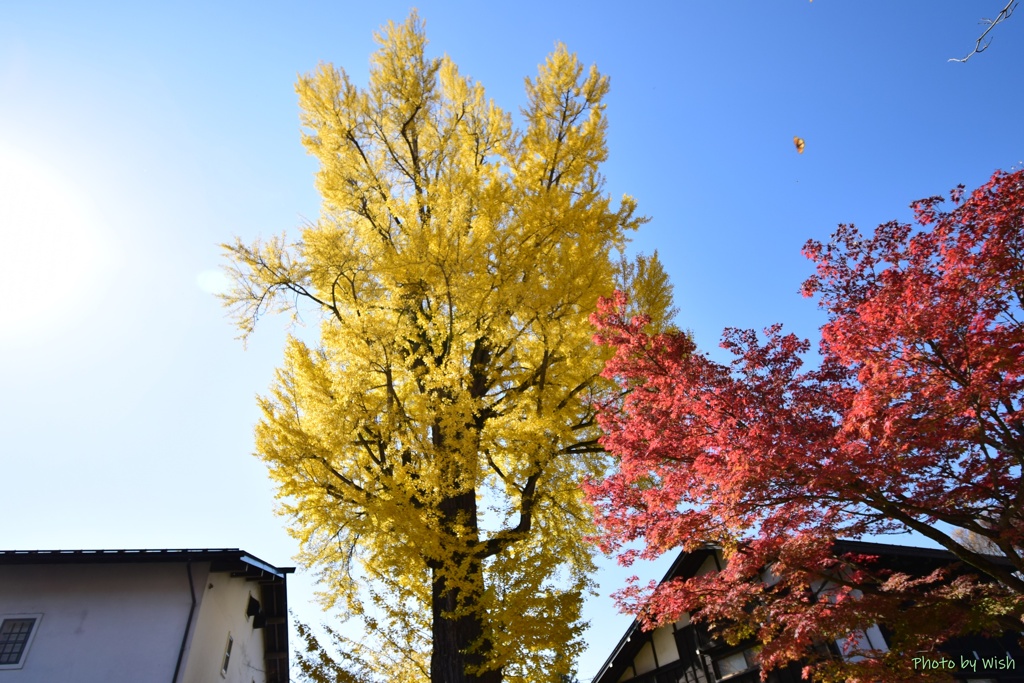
1003	15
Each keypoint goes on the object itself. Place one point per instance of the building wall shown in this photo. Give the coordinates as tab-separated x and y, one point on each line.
101	623
222	612
661	649
113	623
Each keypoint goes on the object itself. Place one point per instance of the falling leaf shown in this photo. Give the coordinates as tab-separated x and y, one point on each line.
799	142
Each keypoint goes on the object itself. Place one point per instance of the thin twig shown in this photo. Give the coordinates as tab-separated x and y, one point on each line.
1002	16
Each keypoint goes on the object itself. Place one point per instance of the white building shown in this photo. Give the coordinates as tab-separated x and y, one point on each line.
141	616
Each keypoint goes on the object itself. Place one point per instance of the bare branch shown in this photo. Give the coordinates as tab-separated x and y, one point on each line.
981	45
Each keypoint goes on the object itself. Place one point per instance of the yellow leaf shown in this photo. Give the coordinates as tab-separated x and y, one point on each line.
428	447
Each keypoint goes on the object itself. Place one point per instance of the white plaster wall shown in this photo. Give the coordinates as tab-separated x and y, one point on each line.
665	645
710	565
644	660
222	611
102	623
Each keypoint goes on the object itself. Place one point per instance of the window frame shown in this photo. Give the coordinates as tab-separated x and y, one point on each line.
37	618
226	659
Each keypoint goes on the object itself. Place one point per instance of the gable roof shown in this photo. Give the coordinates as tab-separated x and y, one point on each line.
686	564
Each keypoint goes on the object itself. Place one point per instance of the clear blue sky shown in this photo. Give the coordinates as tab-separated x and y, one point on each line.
135	137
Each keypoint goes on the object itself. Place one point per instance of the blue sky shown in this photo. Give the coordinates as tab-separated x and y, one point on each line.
135	137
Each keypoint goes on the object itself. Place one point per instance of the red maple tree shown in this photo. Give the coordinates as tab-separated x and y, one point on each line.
912	421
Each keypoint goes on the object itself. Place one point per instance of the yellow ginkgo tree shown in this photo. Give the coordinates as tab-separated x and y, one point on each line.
429	446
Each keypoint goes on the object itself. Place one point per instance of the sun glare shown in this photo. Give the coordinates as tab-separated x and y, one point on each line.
57	257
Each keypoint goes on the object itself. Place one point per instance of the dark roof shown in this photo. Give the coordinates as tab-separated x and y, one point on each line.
272	580
212	555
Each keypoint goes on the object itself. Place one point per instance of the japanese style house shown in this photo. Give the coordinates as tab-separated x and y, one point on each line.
686	652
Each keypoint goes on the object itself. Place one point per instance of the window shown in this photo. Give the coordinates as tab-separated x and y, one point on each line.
16	632
227	656
736	663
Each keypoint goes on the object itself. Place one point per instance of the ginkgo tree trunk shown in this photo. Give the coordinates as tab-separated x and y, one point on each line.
429	446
